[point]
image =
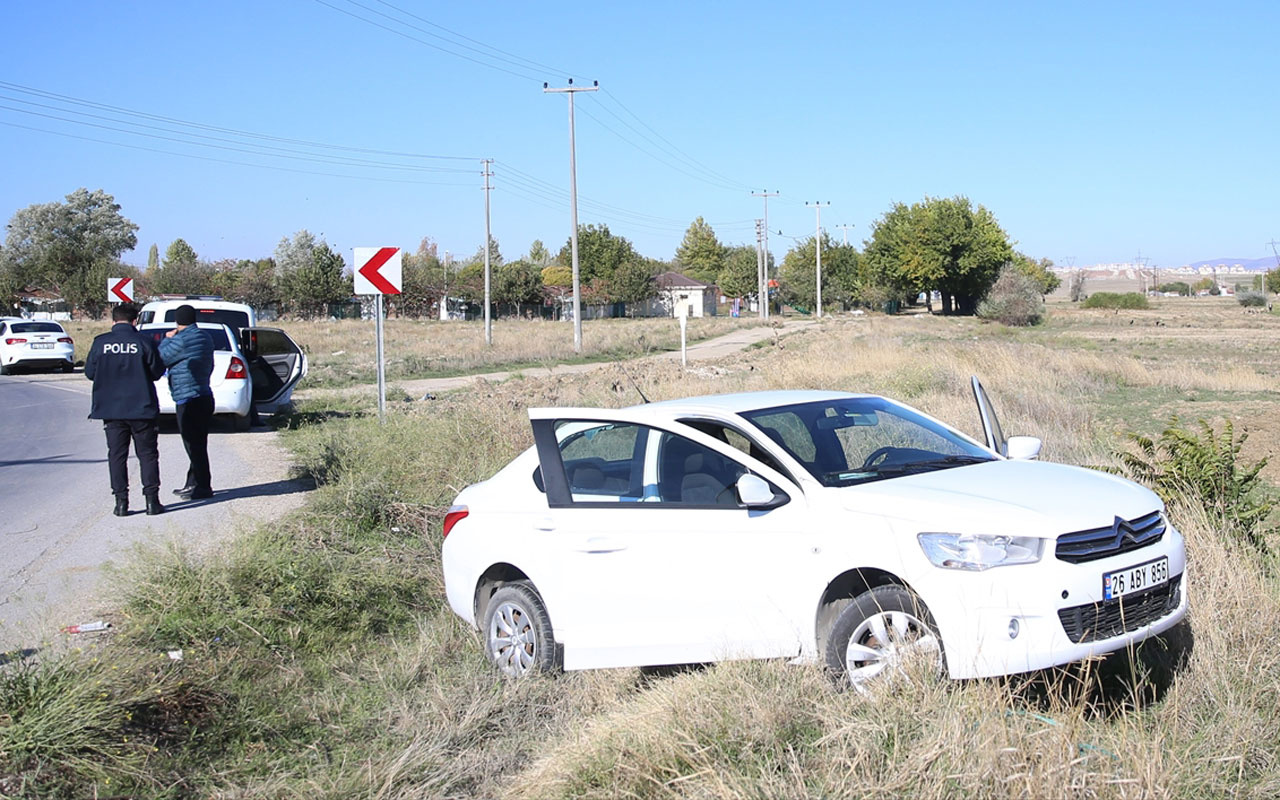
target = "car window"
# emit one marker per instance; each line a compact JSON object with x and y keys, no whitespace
{"x":737,"y":439}
{"x":693,"y":475}
{"x":35,"y":327}
{"x":218,"y":335}
{"x":789,"y":430}
{"x":603,"y":461}
{"x":235,"y":319}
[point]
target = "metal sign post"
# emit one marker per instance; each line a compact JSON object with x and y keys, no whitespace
{"x":378,"y":271}
{"x":684,"y":327}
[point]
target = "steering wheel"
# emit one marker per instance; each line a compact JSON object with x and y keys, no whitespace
{"x":879,"y":455}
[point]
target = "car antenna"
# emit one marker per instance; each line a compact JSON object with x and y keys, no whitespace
{"x":633,"y":382}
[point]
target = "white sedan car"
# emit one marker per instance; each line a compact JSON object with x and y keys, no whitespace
{"x":31,"y":343}
{"x":842,"y":528}
{"x":232,"y":392}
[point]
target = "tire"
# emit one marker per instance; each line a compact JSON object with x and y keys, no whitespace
{"x":518,"y":638}
{"x":878,"y":634}
{"x":68,"y":367}
{"x":5,"y":369}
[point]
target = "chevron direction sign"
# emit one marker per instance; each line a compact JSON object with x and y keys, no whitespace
{"x":378,"y":270}
{"x":119,"y":290}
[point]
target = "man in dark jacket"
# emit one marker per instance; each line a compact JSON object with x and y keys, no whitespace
{"x":188,"y":353}
{"x":123,"y":365}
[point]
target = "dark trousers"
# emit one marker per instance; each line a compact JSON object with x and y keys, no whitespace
{"x":143,"y":433}
{"x":194,"y":417}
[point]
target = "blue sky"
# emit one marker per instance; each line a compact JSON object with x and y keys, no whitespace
{"x":1093,"y":131}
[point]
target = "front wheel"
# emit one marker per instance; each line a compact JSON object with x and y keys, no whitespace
{"x":884,"y":632}
{"x":518,"y":638}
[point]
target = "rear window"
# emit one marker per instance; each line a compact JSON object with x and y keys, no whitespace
{"x":218,"y":335}
{"x":35,"y":327}
{"x":235,"y":319}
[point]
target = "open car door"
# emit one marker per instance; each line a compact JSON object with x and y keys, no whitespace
{"x":276,"y":364}
{"x":990,"y":425}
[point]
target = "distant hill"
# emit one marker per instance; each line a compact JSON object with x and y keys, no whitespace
{"x":1251,"y":264}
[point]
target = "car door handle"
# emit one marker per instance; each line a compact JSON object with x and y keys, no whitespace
{"x":602,"y":544}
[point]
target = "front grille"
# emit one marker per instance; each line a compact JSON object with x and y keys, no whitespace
{"x":1119,"y":537}
{"x":1093,"y":621}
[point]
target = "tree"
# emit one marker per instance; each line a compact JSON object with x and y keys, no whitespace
{"x":739,"y":277}
{"x":153,"y":257}
{"x":700,"y":255}
{"x":539,"y":255}
{"x":631,"y":282}
{"x":600,"y":253}
{"x":312,"y":286}
{"x":1040,"y":271}
{"x":1177,"y":287}
{"x":556,"y":275}
{"x":517,"y":282}
{"x":495,"y":255}
{"x":54,"y":246}
{"x":181,"y":272}
{"x":423,"y":281}
{"x":294,"y":253}
{"x":1075,"y":289}
{"x":1016,"y":298}
{"x":939,"y":244}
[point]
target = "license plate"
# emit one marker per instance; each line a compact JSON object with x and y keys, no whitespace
{"x":1135,"y":579}
{"x":42,"y":345}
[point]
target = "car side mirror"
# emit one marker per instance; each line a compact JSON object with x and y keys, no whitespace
{"x":755,"y":492}
{"x":1023,"y":448}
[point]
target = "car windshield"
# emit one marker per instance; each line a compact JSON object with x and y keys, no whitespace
{"x":858,"y":440}
{"x":35,"y":327}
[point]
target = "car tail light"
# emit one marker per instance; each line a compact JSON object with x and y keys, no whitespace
{"x":453,"y":517}
{"x":14,"y":341}
{"x":236,"y":369}
{"x":66,"y":340}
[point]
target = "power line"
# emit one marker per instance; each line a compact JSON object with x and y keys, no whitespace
{"x":216,"y":128}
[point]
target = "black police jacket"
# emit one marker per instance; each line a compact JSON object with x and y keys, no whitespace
{"x":123,"y":365}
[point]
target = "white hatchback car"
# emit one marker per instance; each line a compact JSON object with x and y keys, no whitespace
{"x":263,"y":377}
{"x":35,"y":343}
{"x":828,"y":526}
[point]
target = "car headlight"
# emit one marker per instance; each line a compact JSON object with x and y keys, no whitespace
{"x":979,"y":551}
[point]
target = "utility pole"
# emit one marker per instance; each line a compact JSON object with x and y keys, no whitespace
{"x":488,"y":320}
{"x":845,"y":229}
{"x":817,"y":249}
{"x":1276,"y":253}
{"x":762,"y":283}
{"x":571,"y":90}
{"x":766,"y":194}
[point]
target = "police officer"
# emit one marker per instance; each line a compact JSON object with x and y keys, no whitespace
{"x":188,"y":353}
{"x":123,"y":364}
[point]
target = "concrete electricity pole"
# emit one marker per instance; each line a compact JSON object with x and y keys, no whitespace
{"x":488,"y":321}
{"x":571,"y":90}
{"x":845,"y":230}
{"x":444,"y":295}
{"x":817,"y":248}
{"x":764,"y":300}
{"x":762,"y":282}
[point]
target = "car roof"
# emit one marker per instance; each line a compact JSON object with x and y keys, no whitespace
{"x":195,"y":302}
{"x":739,"y":402}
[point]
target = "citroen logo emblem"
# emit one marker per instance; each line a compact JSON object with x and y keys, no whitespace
{"x":1120,"y":529}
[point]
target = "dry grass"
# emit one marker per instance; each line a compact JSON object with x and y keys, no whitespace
{"x":416,"y":713}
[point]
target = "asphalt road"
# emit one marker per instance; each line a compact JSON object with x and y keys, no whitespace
{"x":57,"y":531}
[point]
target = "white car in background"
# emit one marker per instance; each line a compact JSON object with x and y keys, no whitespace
{"x":35,"y":343}
{"x":846,"y":529}
{"x":209,"y":308}
{"x":256,"y":369}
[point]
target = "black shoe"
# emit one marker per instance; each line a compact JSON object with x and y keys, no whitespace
{"x":184,"y":492}
{"x":153,"y":505}
{"x":122,"y":507}
{"x":199,"y":494}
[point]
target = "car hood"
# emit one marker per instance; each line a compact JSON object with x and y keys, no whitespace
{"x":1015,"y":498}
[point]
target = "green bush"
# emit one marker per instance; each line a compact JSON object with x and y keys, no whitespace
{"x":1128,"y":300}
{"x":1014,"y":299}
{"x":1251,"y":299}
{"x":1202,"y":468}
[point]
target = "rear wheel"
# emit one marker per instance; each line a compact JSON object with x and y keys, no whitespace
{"x":6,"y":369}
{"x":68,"y":367}
{"x":517,"y":631}
{"x":884,"y":632}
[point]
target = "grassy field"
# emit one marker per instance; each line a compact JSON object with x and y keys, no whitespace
{"x":343,"y":352}
{"x":320,"y":660}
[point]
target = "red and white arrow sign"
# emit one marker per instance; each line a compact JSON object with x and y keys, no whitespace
{"x":378,"y":270}
{"x":119,"y":290}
